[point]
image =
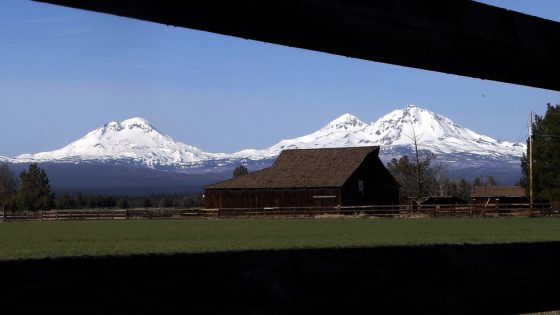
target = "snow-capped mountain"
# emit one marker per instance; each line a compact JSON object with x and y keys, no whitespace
{"x":132,"y":141}
{"x":396,"y":131}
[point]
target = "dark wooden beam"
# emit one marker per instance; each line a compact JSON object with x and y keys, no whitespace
{"x":452,"y":36}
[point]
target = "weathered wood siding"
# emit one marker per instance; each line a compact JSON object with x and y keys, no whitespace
{"x":260,"y":198}
{"x":499,"y":200}
{"x":378,"y":186}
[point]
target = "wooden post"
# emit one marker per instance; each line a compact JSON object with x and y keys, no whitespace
{"x":531,"y":162}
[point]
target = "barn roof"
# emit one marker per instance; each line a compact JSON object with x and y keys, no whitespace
{"x":498,"y":191}
{"x":302,"y":168}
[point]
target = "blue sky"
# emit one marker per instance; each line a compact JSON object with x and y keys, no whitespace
{"x":64,"y":72}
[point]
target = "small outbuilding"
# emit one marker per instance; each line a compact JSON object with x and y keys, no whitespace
{"x":498,"y":195}
{"x":437,"y":201}
{"x":310,"y":178}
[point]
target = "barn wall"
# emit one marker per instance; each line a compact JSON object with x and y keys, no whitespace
{"x":499,"y":200}
{"x":379,"y":187}
{"x":260,"y":198}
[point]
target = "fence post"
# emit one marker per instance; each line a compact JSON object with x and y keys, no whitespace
{"x":4,"y":215}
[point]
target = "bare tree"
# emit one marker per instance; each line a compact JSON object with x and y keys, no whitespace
{"x":422,"y":170}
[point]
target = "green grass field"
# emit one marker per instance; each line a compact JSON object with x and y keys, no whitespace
{"x":76,"y":238}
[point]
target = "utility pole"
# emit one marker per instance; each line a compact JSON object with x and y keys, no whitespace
{"x":531,"y":162}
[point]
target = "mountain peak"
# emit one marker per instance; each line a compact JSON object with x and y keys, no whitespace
{"x":136,"y":140}
{"x":132,"y":139}
{"x":415,"y":110}
{"x":411,"y":115}
{"x":135,"y":121}
{"x":344,"y":122}
{"x":397,"y":130}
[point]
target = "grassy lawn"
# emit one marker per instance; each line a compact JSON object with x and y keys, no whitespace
{"x":75,"y":238}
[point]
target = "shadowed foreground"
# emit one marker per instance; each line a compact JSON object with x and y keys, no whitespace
{"x":447,"y":279}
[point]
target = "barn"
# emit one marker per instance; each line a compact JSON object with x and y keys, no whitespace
{"x":310,"y":178}
{"x":498,"y":195}
{"x":449,"y":201}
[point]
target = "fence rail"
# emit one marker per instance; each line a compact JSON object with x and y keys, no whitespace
{"x":388,"y":211}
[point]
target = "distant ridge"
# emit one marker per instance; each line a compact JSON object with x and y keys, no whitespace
{"x":136,"y":143}
{"x":395,"y":130}
{"x":133,"y":139}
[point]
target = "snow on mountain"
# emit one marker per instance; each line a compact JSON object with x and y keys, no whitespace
{"x":133,"y":140}
{"x":337,"y":133}
{"x":436,"y":133}
{"x":395,"y":130}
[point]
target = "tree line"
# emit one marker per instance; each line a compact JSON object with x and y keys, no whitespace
{"x":546,"y":157}
{"x":80,"y":201}
{"x":33,"y":192}
{"x":420,"y":177}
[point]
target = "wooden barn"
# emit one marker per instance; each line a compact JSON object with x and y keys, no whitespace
{"x":498,"y":195}
{"x":443,"y":201}
{"x":310,"y":178}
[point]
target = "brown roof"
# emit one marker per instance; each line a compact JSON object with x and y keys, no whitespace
{"x":304,"y":168}
{"x":498,"y":191}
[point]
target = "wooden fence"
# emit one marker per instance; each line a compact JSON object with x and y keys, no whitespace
{"x":388,"y":211}
{"x":107,"y":214}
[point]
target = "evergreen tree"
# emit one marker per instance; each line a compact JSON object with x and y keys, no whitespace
{"x":35,"y":193}
{"x":122,"y":203}
{"x":109,"y":202}
{"x":165,"y":201}
{"x":456,"y":188}
{"x":464,"y":189}
{"x":8,"y":187}
{"x":478,"y":182}
{"x":401,"y":170}
{"x":65,"y":202}
{"x":146,"y":203}
{"x":546,"y":157}
{"x":90,"y":202}
{"x":240,"y":170}
{"x":80,"y":201}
